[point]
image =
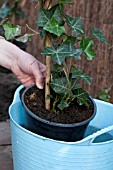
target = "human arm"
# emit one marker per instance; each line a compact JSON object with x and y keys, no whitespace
{"x":26,"y":67}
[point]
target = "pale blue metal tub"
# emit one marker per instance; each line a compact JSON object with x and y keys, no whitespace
{"x":34,"y":152}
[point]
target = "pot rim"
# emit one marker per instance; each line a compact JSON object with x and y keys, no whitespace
{"x":54,"y":123}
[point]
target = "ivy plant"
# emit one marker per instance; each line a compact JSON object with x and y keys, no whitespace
{"x":14,"y":32}
{"x":65,"y":42}
{"x":8,"y":10}
{"x":104,"y":95}
{"x":68,"y":43}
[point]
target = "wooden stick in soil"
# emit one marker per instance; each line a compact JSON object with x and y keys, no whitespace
{"x":48,"y":69}
{"x":48,"y":77}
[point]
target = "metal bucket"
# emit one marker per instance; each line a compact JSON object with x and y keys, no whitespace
{"x":34,"y":152}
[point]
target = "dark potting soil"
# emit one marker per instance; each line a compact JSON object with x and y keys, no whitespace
{"x":34,"y":100}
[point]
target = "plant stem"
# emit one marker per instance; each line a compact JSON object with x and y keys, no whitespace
{"x":32,"y":29}
{"x":54,"y":104}
{"x":70,"y":66}
{"x":65,"y":71}
{"x":67,"y":77}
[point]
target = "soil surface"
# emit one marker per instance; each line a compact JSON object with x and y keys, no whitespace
{"x":34,"y":99}
{"x":8,"y":85}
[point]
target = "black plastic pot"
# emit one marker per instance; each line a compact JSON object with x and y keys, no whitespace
{"x":63,"y":132}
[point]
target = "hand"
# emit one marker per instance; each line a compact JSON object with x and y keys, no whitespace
{"x":26,"y":67}
{"x":29,"y":70}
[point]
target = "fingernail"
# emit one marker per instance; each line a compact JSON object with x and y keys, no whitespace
{"x":39,"y":86}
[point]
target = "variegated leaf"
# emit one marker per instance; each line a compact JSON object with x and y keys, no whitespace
{"x":78,"y":74}
{"x":59,"y":85}
{"x":75,"y":24}
{"x":11,"y":31}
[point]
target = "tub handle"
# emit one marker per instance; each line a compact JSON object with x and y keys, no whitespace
{"x":90,"y":139}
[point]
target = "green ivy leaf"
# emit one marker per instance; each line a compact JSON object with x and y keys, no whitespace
{"x":104,"y":95}
{"x":42,"y":32}
{"x":59,"y":85}
{"x":74,"y":52}
{"x":11,"y":31}
{"x":70,"y":39}
{"x":57,"y":68}
{"x":43,"y":18}
{"x":75,"y":24}
{"x":78,"y":74}
{"x":58,"y":55}
{"x":63,"y":105}
{"x":86,"y":45}
{"x":63,"y":51}
{"x":75,"y":85}
{"x":64,"y":37}
{"x":50,"y":96}
{"x":65,"y":2}
{"x":5,"y":11}
{"x":57,"y":71}
{"x":99,"y":35}
{"x":46,"y":15}
{"x":53,"y":27}
{"x":25,"y":38}
{"x":57,"y":11}
{"x":82,"y":97}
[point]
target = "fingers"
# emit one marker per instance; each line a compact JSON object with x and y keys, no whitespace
{"x":28,"y":82}
{"x":32,"y":68}
{"x":42,"y":67}
{"x":38,"y":71}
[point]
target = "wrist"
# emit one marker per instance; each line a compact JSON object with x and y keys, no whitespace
{"x":8,"y":54}
{"x":5,"y":59}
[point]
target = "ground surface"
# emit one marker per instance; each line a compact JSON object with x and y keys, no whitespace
{"x":6,"y":162}
{"x":8,"y":84}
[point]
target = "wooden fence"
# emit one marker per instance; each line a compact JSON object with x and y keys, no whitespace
{"x":98,"y":13}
